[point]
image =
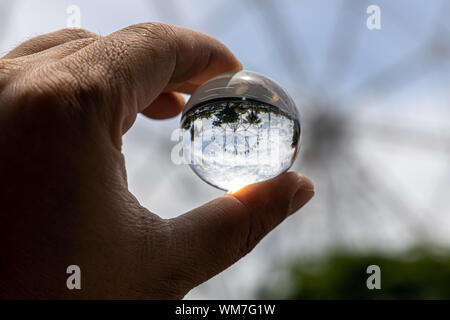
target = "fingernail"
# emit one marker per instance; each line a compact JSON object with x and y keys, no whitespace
{"x":300,"y":198}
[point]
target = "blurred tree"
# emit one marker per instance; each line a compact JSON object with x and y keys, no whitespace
{"x":419,"y":274}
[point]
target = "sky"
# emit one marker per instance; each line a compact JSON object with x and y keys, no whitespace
{"x":382,"y":186}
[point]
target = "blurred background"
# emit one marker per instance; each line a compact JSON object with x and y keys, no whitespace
{"x":375,"y":108}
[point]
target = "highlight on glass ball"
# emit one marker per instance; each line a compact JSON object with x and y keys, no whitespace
{"x":240,"y":128}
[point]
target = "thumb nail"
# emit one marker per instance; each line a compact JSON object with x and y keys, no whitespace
{"x":300,"y":198}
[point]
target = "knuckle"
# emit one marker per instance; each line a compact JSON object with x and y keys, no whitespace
{"x":165,"y":31}
{"x":257,"y":229}
{"x":6,"y":71}
{"x":74,"y":45}
{"x":51,"y":98}
{"x":114,"y":66}
{"x":76,"y":87}
{"x":117,"y":51}
{"x":77,"y":33}
{"x":45,"y":41}
{"x":154,"y":28}
{"x":253,"y":228}
{"x":163,"y":34}
{"x":169,"y":271}
{"x":43,"y":87}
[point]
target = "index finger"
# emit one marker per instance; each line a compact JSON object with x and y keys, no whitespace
{"x":150,"y":58}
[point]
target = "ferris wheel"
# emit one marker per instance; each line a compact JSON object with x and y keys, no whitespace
{"x":357,"y":196}
{"x":350,"y":186}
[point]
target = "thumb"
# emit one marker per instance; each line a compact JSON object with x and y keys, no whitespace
{"x":210,"y":238}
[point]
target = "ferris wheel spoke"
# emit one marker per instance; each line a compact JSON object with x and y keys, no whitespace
{"x":279,"y":33}
{"x":168,"y":9}
{"x":341,"y":48}
{"x":5,"y":10}
{"x":402,"y":211}
{"x":420,"y":62}
{"x":364,"y":195}
{"x":422,"y":139}
{"x":413,"y":29}
{"x":399,"y":74}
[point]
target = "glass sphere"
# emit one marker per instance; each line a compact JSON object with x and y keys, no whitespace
{"x":240,"y":128}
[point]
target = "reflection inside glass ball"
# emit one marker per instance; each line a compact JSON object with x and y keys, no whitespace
{"x":231,"y":137}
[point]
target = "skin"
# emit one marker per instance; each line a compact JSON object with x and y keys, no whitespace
{"x":66,"y":99}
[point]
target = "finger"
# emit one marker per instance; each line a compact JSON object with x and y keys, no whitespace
{"x":166,"y":105}
{"x":212,"y":237}
{"x":55,"y":53}
{"x":185,"y":87}
{"x":49,"y":40}
{"x":150,"y":58}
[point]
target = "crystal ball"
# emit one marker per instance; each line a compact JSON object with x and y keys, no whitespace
{"x":240,"y":128}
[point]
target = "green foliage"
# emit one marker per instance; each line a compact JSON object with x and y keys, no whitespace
{"x":416,"y":275}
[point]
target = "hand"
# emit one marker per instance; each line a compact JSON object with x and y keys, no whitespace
{"x":66,"y":99}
